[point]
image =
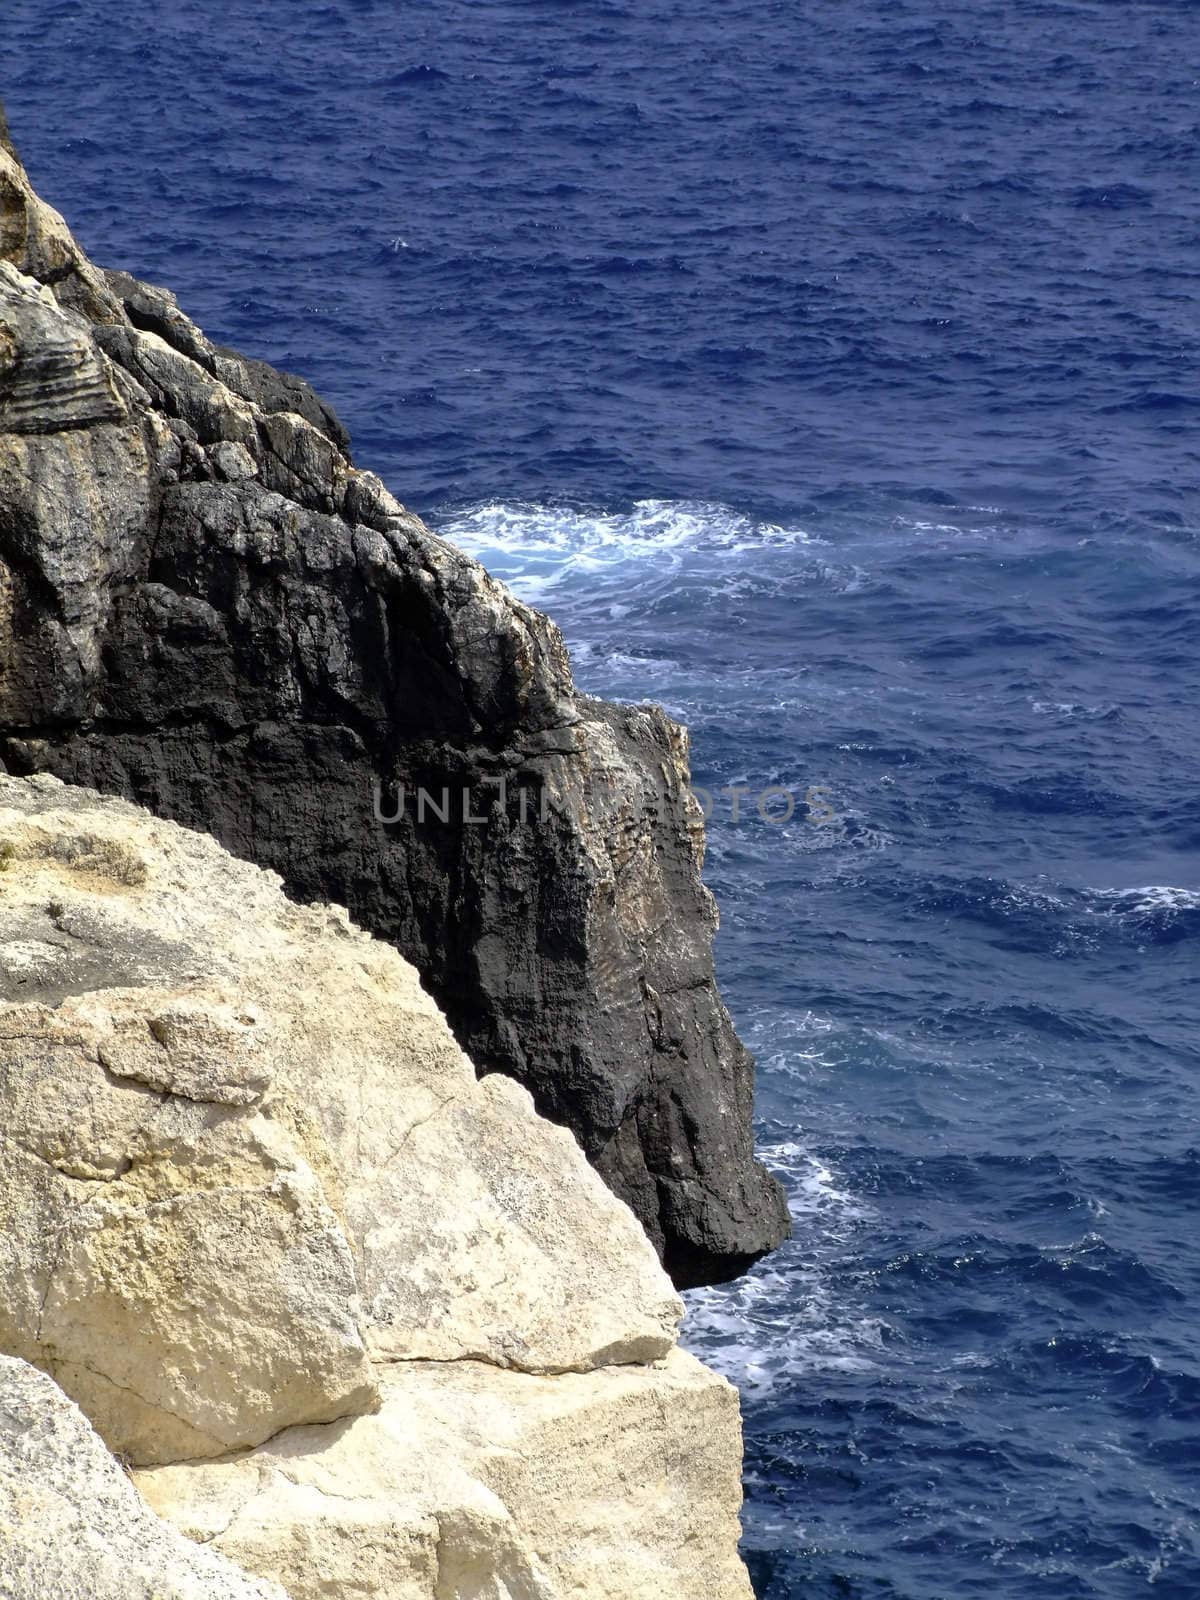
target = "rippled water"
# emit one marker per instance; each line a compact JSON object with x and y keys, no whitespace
{"x":830,"y":374}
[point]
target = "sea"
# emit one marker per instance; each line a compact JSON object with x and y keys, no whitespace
{"x":830,"y":373}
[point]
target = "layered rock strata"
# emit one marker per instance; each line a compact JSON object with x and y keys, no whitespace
{"x":206,"y":608}
{"x":366,"y":1323}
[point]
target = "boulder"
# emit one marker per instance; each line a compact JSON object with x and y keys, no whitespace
{"x":72,"y":1525}
{"x":243,"y":1156}
{"x":205,"y":607}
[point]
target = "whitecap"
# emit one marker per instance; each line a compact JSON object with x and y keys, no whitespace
{"x":1148,"y":899}
{"x":1069,"y":708}
{"x":648,"y":526}
{"x":780,"y":1322}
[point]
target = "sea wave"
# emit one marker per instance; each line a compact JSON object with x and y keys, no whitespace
{"x":647,"y":528}
{"x":784,"y":1320}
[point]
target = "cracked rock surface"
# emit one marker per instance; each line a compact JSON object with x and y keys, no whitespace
{"x":366,"y":1324}
{"x":72,"y":1525}
{"x":473,"y":1483}
{"x":206,"y":608}
{"x":242,"y":1156}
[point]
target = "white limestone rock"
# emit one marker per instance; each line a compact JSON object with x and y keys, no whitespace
{"x":73,"y":1527}
{"x":621,"y":1484}
{"x":242,"y":1155}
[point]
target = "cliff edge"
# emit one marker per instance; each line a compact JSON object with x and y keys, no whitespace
{"x":361,"y":1323}
{"x":206,"y":608}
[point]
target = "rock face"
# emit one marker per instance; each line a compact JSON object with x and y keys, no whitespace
{"x":73,"y":1527}
{"x":204,"y":607}
{"x":252,"y":1194}
{"x":243,"y":1154}
{"x":470,"y":1482}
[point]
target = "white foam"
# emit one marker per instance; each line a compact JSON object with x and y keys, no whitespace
{"x":933,"y":527}
{"x":781,"y":1322}
{"x":1151,"y":897}
{"x":596,"y":536}
{"x":1028,"y":897}
{"x":1069,"y":708}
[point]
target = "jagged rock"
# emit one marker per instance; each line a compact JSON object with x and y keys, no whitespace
{"x":157,"y":311}
{"x":472,"y":1482}
{"x":36,"y":240}
{"x":73,"y":1527}
{"x":51,"y":377}
{"x":205,"y":607}
{"x":275,"y":391}
{"x":241,"y":1153}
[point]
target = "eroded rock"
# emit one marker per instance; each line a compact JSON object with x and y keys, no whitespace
{"x":243,"y":1156}
{"x":73,"y":1527}
{"x":472,"y":1482}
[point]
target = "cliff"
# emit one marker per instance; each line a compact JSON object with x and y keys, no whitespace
{"x":205,"y":607}
{"x":361,"y":1323}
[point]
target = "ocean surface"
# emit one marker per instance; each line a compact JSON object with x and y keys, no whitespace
{"x":830,"y":372}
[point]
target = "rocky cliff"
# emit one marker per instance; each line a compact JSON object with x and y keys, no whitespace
{"x":363,"y":1323}
{"x":206,"y":608}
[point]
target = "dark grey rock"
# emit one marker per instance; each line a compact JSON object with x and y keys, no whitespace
{"x":280,"y":391}
{"x":206,"y":608}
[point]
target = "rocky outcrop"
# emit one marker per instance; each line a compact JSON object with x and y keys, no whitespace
{"x":253,"y":1198}
{"x":243,"y":1154}
{"x":206,"y":608}
{"x":73,"y":1527}
{"x":470,"y":1482}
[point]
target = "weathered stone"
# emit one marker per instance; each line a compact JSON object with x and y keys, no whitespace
{"x":615,"y":1485}
{"x":156,"y":310}
{"x":182,"y":1276}
{"x":242,"y":1152}
{"x":36,"y":240}
{"x":51,"y":376}
{"x":279,"y":391}
{"x":232,"y":461}
{"x":72,"y":1526}
{"x":206,"y":608}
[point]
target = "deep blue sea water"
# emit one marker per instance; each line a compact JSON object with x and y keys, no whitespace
{"x":830,"y":373}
